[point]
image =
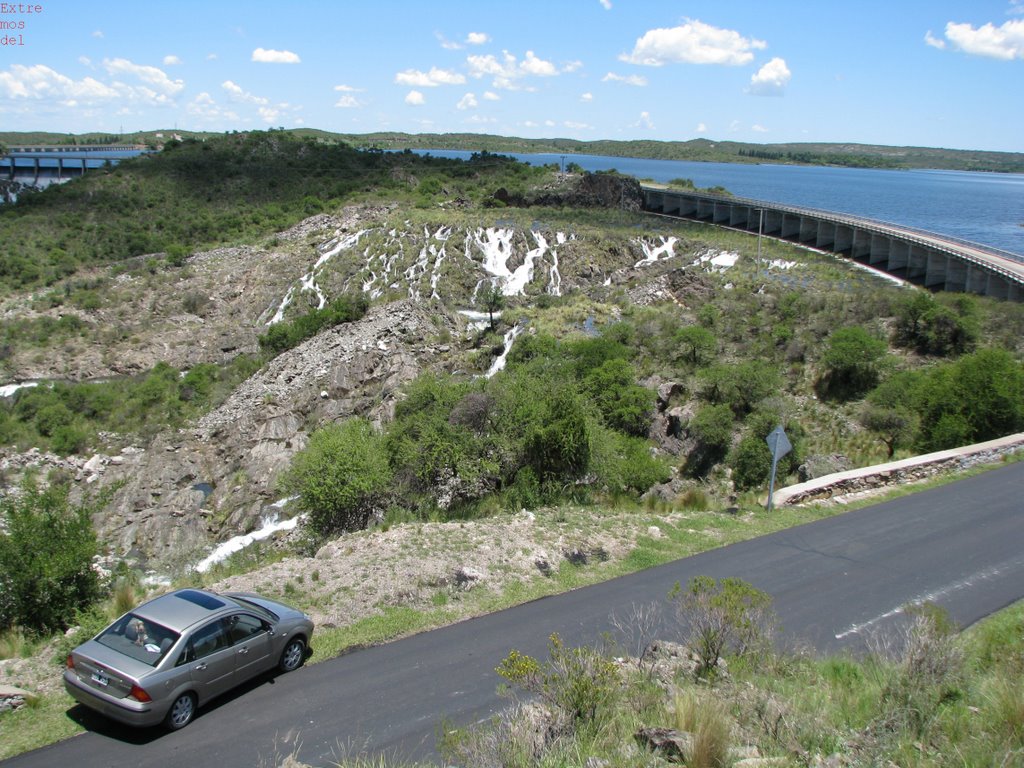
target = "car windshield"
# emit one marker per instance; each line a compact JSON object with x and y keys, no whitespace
{"x":141,"y":639}
{"x":264,"y":612}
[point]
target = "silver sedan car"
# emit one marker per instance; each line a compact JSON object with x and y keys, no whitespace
{"x":163,"y":660}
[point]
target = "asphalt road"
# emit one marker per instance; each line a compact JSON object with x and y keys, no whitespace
{"x":834,"y":582}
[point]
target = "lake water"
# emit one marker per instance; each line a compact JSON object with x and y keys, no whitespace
{"x":986,"y":208}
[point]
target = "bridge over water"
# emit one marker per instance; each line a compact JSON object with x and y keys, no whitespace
{"x":30,"y":163}
{"x":925,"y":258}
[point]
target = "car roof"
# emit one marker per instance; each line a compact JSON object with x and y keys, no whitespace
{"x":182,"y":608}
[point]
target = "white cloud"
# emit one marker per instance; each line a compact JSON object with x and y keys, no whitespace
{"x":477,"y":38}
{"x":1016,"y":7}
{"x":530,"y":124}
{"x":693,"y":43}
{"x":644,"y":122}
{"x":586,"y":96}
{"x":41,"y":82}
{"x":701,"y":128}
{"x":572,"y":66}
{"x":154,"y":78}
{"x":934,"y":41}
{"x":270,"y":56}
{"x":85,"y":61}
{"x":348,"y":101}
{"x":211,"y":57}
{"x":758,"y":128}
{"x":771,"y":79}
{"x":237,"y":93}
{"x":606,"y":4}
{"x":491,"y":96}
{"x":415,"y":98}
{"x":205,"y":110}
{"x":534,"y":66}
{"x":467,"y":102}
{"x":1005,"y":42}
{"x":171,"y":60}
{"x":98,"y":34}
{"x":549,"y":123}
{"x":577,"y":126}
{"x":734,"y":126}
{"x":508,"y":70}
{"x":431,"y":79}
{"x":347,"y":89}
{"x":480,"y":120}
{"x":637,"y":80}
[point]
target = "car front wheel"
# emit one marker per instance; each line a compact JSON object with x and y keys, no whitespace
{"x":181,"y":712}
{"x":293,"y":655}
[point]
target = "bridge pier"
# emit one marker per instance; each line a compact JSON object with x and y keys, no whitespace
{"x":790,"y":226}
{"x":977,"y":279}
{"x":808,"y":230}
{"x":721,"y":213}
{"x":899,"y":257}
{"x":843,"y":240}
{"x":917,"y":264}
{"x":936,"y":270}
{"x":773,"y":222}
{"x":705,"y":210}
{"x":880,"y":247}
{"x":739,"y":216}
{"x":861,"y":246}
{"x":826,"y":237}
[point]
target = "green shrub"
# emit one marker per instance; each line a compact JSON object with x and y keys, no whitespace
{"x":341,"y":477}
{"x":46,"y":554}
{"x":727,"y":615}
{"x":851,"y":364}
{"x":578,"y":683}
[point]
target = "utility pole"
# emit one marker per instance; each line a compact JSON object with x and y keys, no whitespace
{"x":760,"y":232}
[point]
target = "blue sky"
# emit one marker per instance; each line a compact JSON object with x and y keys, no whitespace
{"x":936,"y":73}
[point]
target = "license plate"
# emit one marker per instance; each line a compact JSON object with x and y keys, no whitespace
{"x":100,"y":679}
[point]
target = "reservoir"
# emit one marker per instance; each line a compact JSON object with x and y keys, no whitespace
{"x":986,"y":208}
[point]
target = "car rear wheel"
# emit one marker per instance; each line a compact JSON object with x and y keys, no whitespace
{"x":181,"y":712}
{"x":293,"y":655}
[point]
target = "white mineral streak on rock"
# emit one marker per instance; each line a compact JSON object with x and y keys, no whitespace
{"x":477,"y":320}
{"x":555,"y":283}
{"x":500,"y":360}
{"x":9,"y":389}
{"x":271,"y":525}
{"x":652,"y":251}
{"x":442,"y":234}
{"x":719,"y":260}
{"x":496,"y":247}
{"x":308,"y":281}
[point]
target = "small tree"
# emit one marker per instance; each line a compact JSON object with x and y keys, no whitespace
{"x":493,"y":301}
{"x":46,"y":556}
{"x":696,"y":345}
{"x":340,"y":476}
{"x":728,"y":615}
{"x":896,"y":427}
{"x":851,"y":363}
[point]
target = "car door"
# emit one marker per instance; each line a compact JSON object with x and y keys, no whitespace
{"x":211,"y":660}
{"x":250,"y":640}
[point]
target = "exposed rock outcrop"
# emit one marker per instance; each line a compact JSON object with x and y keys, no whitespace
{"x":187,"y":488}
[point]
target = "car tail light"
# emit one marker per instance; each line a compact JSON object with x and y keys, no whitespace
{"x":138,"y":694}
{"x":69,"y":662}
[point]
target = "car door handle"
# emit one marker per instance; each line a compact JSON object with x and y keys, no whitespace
{"x":200,"y":667}
{"x":243,"y":650}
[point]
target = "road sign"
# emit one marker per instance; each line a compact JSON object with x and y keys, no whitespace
{"x":779,"y":445}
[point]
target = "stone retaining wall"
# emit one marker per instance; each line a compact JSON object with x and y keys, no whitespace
{"x":899,"y":472}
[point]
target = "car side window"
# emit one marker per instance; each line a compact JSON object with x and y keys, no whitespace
{"x":242,"y":627}
{"x":207,"y":640}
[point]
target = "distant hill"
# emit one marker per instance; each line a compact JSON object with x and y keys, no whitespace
{"x":703,"y":150}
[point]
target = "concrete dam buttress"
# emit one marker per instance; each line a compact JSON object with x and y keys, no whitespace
{"x":934,"y":261}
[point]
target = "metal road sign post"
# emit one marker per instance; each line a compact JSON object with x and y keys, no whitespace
{"x":779,"y":445}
